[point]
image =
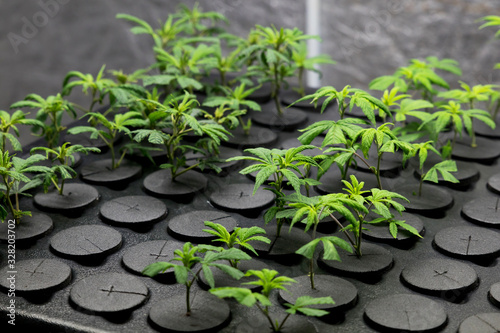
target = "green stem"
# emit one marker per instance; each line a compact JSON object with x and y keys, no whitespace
{"x":9,"y":202}
{"x":185,"y":170}
{"x":368,"y":165}
{"x":311,"y":262}
{"x":112,"y":150}
{"x":377,"y":172}
{"x":188,"y":302}
{"x":421,"y":183}
{"x":301,"y":82}
{"x":246,"y":128}
{"x":283,"y":323}
{"x":276,"y":91}
{"x":473,"y":135}
{"x":188,"y":292}
{"x":59,"y":189}
{"x":265,"y":311}
{"x":121,"y":158}
{"x":349,"y":238}
{"x":358,"y":238}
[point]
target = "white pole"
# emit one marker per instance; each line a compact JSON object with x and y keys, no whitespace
{"x":313,"y":14}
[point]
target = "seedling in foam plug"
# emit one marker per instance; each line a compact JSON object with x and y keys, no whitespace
{"x":240,"y":237}
{"x":52,"y":109}
{"x":280,"y":165}
{"x":190,"y":256}
{"x":180,"y":114}
{"x":310,"y":211}
{"x":13,"y":171}
{"x":269,"y":281}
{"x":57,"y":174}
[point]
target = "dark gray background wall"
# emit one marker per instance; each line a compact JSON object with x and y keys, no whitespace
{"x":41,"y":40}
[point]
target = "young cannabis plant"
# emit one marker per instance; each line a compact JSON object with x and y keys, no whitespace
{"x":224,"y":63}
{"x":470,"y":95}
{"x":454,"y":114}
{"x":231,"y":120}
{"x":57,"y":174}
{"x":184,"y":65}
{"x":98,"y":86}
{"x":120,"y":124}
{"x":189,"y":257}
{"x":338,"y":134}
{"x":419,"y":77}
{"x":240,"y":237}
{"x":348,"y":98}
{"x":310,"y":211}
{"x":52,"y":108}
{"x":273,"y":52}
{"x":280,"y":165}
{"x":269,"y":281}
{"x":13,"y":172}
{"x":236,"y":100}
{"x":193,"y":21}
{"x":303,"y":63}
{"x":181,"y":114}
{"x":8,"y":122}
{"x":444,"y":168}
{"x":162,"y":37}
{"x":385,"y":142}
{"x":375,"y":201}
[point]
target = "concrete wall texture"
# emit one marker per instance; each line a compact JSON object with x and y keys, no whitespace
{"x":41,"y":40}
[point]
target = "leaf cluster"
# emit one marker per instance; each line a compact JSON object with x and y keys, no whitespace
{"x":14,"y":173}
{"x":240,"y":237}
{"x":268,"y":281}
{"x":51,"y":108}
{"x":189,"y":256}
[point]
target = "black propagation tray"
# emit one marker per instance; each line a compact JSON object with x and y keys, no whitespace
{"x":55,"y":312}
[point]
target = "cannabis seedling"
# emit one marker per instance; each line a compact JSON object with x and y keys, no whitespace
{"x":189,"y":257}
{"x":236,"y":101}
{"x":98,"y":86}
{"x":468,"y":94}
{"x":112,"y":129}
{"x":8,"y":122}
{"x":310,"y":211}
{"x":338,"y":133}
{"x":182,"y":120}
{"x":280,"y":164}
{"x":459,"y":118}
{"x":13,"y":171}
{"x":346,"y":99}
{"x":224,"y":62}
{"x":184,"y":65}
{"x":269,"y":281}
{"x":385,"y":142}
{"x":375,"y":201}
{"x":303,"y":63}
{"x":419,"y":77}
{"x":162,"y":37}
{"x":52,"y":108}
{"x":57,"y":174}
{"x":273,"y":51}
{"x":444,"y":167}
{"x":193,"y":21}
{"x":240,"y":237}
